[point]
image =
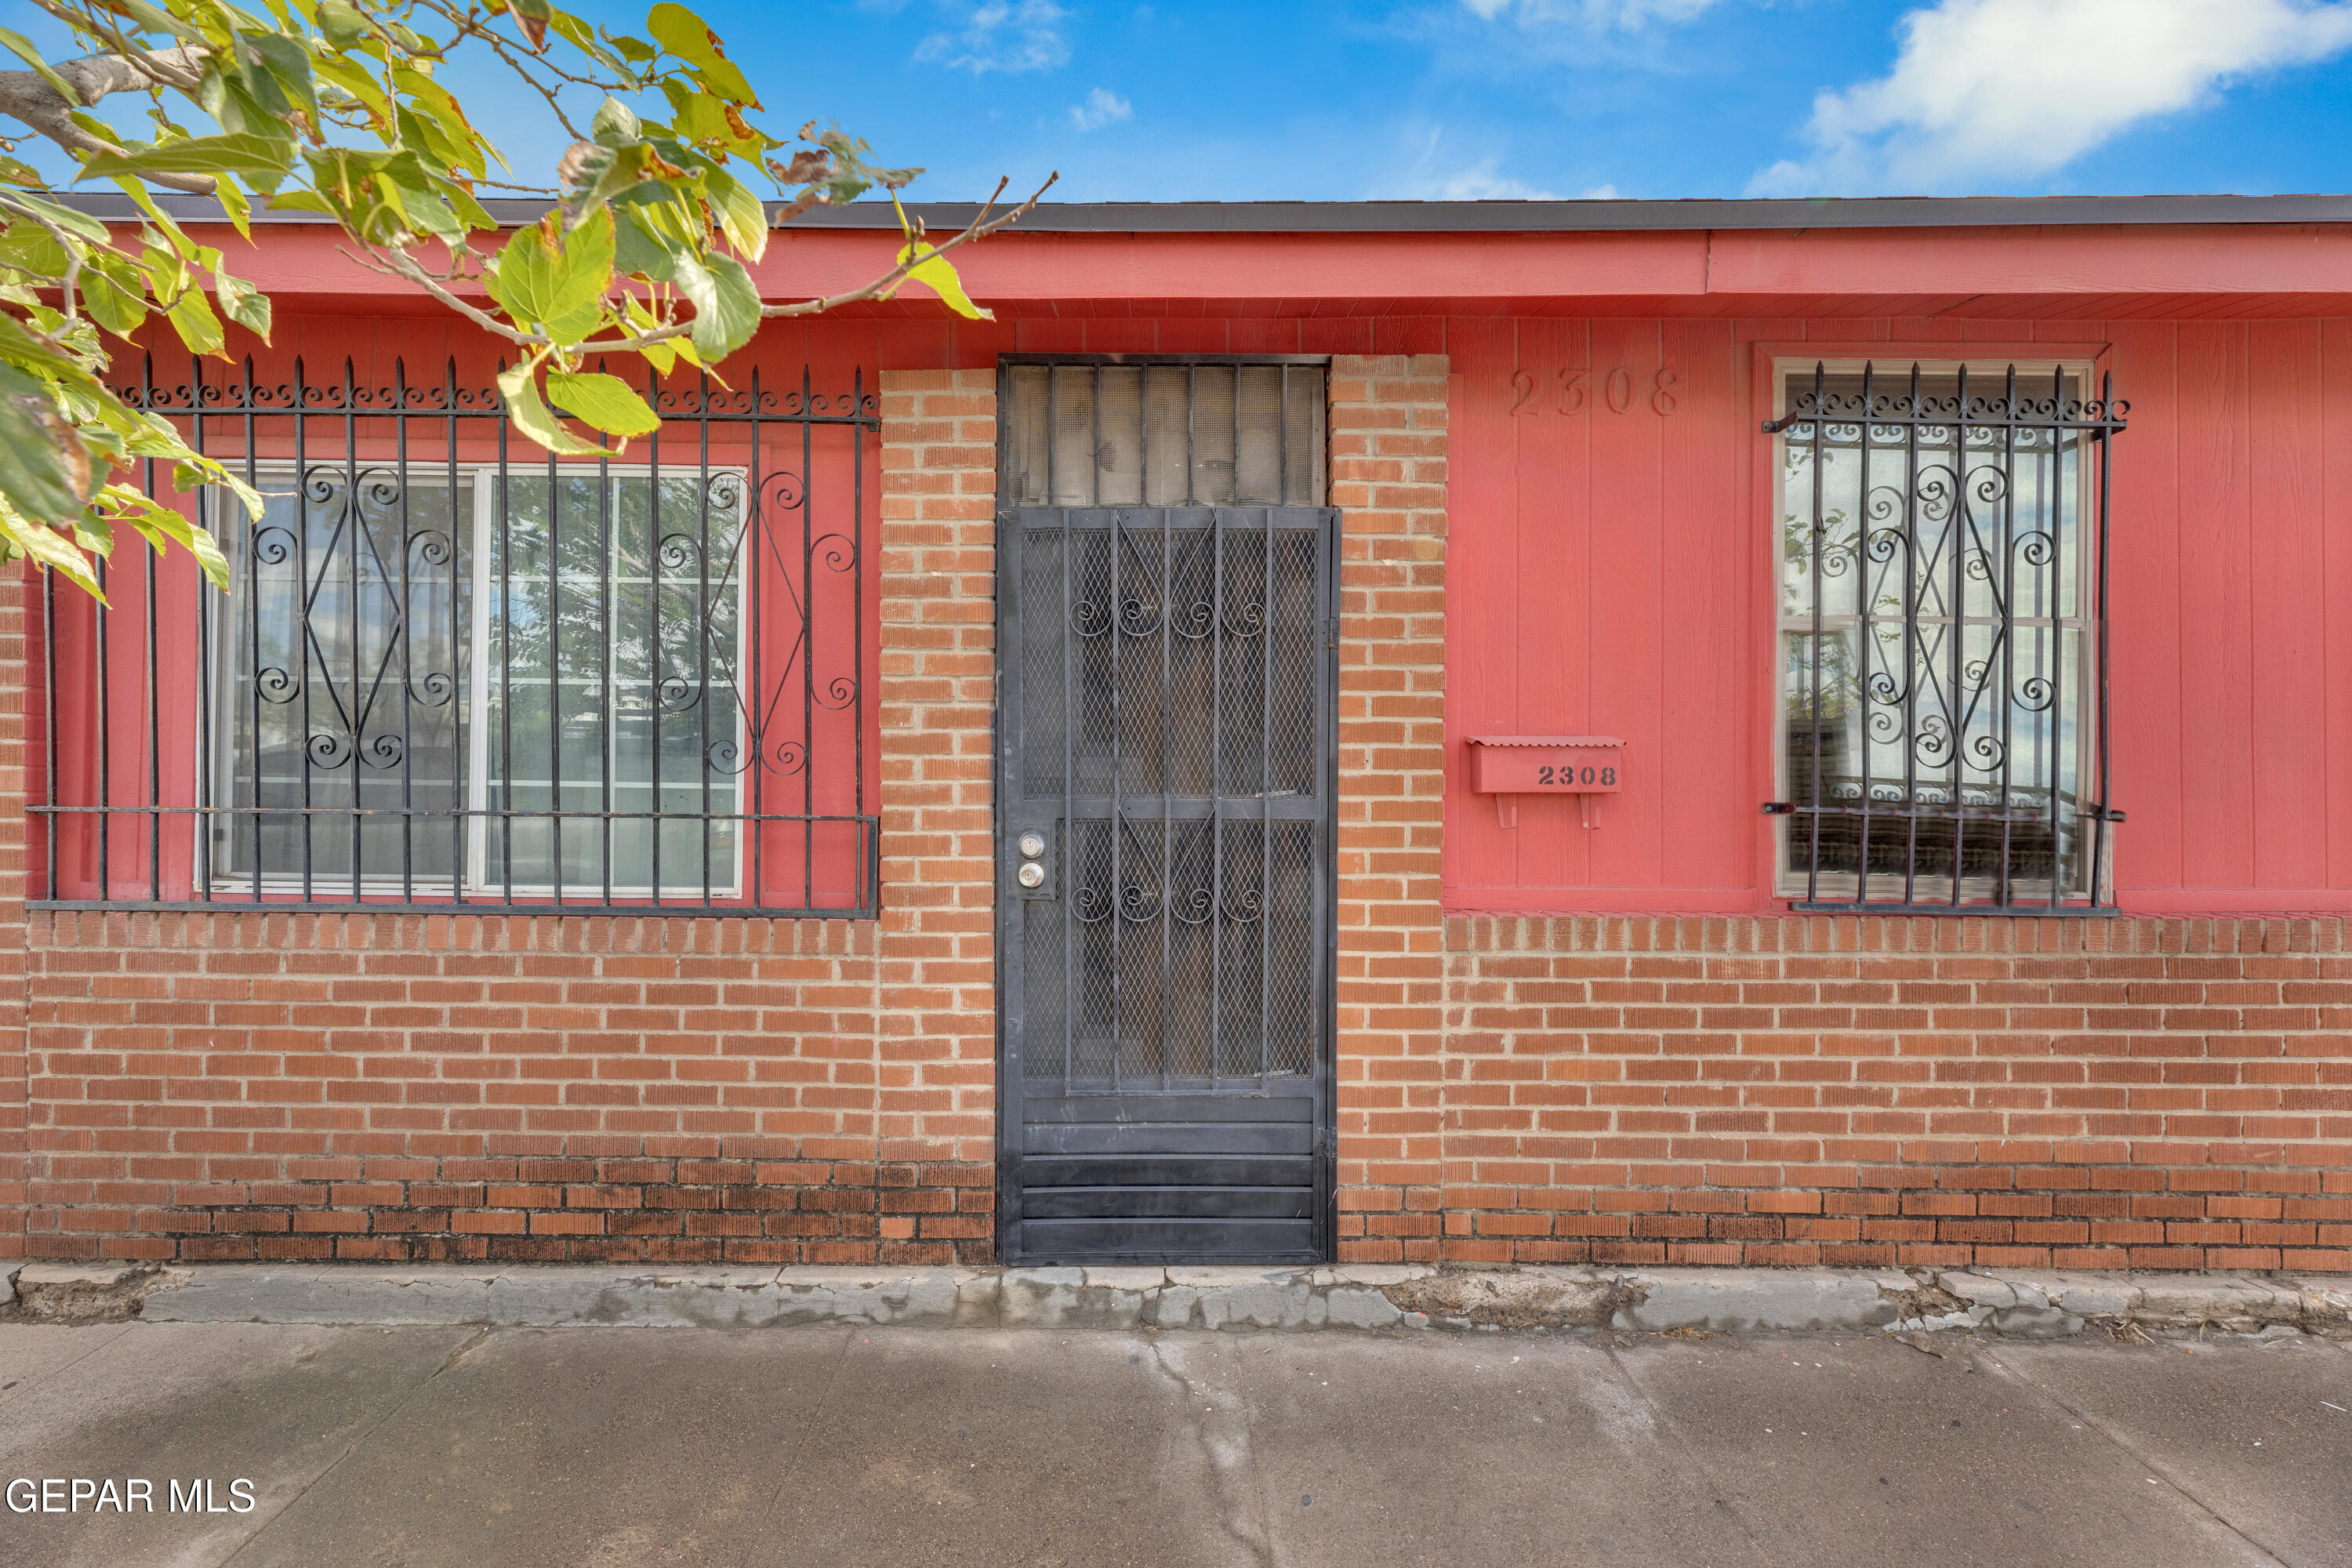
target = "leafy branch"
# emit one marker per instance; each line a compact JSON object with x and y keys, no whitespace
{"x":660,"y":205}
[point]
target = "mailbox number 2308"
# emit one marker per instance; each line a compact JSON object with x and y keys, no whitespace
{"x":1571,"y":775}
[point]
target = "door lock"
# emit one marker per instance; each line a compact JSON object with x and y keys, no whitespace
{"x":1030,"y":875}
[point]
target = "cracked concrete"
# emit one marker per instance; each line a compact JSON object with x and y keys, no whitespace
{"x":2018,"y":1303}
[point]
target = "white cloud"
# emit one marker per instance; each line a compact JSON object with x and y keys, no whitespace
{"x":1596,"y":14}
{"x":1102,"y":106}
{"x":1478,"y":182}
{"x":2003,"y":88}
{"x":1601,"y":194}
{"x":1426,"y":176}
{"x":1002,"y":36}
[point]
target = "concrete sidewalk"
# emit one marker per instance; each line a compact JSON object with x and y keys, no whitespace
{"x":857,"y":1445}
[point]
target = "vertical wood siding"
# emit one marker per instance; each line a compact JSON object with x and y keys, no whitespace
{"x":1612,"y":577}
{"x":1610,"y":574}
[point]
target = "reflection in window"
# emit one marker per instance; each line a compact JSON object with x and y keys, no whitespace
{"x":1934,"y":596}
{"x":538,"y":674}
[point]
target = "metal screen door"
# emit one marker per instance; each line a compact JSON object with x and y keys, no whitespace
{"x":1165,"y":766}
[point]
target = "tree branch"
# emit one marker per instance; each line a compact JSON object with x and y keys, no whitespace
{"x":400,"y":264}
{"x":27,"y":98}
{"x":980,"y":227}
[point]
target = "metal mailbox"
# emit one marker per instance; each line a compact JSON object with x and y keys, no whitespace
{"x":1508,"y":766}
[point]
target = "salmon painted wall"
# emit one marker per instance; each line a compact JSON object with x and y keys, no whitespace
{"x":1610,"y":572}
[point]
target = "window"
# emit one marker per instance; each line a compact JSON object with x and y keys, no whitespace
{"x":550,"y":610}
{"x":448,"y":675}
{"x":1942,"y":729}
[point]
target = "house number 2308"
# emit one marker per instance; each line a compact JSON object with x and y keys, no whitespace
{"x":1568,"y":391}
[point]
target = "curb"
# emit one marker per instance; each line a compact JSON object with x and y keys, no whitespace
{"x":2038,"y":1303}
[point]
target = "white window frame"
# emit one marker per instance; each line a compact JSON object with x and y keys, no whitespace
{"x":478,"y":886}
{"x":2082,"y":696}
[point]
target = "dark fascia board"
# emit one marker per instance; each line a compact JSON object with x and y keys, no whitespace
{"x":1463,"y":218}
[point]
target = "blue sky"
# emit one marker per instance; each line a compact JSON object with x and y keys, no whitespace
{"x":1205,"y":99}
{"x":1343,"y":99}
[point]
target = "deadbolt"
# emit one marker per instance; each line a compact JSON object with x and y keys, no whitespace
{"x":1033,"y":845}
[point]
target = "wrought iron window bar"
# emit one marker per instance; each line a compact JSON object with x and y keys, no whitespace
{"x":1963,"y":551}
{"x":735,"y":654}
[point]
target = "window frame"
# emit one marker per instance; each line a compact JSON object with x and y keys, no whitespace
{"x":477,"y":740}
{"x":123,"y":789}
{"x":477,"y":884}
{"x":1943,"y":893}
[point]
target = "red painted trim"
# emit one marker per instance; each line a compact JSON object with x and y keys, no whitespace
{"x":1807,"y":272}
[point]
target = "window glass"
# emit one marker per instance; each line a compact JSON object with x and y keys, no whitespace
{"x":1933,"y":597}
{"x":336,"y":709}
{"x":540,"y":672}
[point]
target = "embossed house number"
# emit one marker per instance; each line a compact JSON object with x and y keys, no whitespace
{"x":1567,"y":391}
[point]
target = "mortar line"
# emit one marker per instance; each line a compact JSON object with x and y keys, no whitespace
{"x":480,"y":1336}
{"x":2163,"y":1472}
{"x":1691,"y":1462}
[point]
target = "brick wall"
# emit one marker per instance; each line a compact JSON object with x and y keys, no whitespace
{"x":1388,"y":478}
{"x":936,"y":1025}
{"x":452,"y":1087}
{"x":13,"y":1077}
{"x":286,"y":1086}
{"x":2153,"y":1093}
{"x":2094,"y":1094}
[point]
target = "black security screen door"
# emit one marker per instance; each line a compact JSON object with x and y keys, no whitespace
{"x":1167,"y":610}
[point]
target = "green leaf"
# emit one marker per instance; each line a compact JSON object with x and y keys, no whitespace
{"x":44,"y":452}
{"x":262,"y":160}
{"x":615,"y":123}
{"x":243,"y":303}
{"x":741,"y":217}
{"x":557,"y":282}
{"x":21,"y":348}
{"x":342,"y":22}
{"x":582,"y":37}
{"x":532,"y":418}
{"x":112,"y":303}
{"x":22,"y":47}
{"x":663,"y":355}
{"x":938,"y":274}
{"x":604,"y":402}
{"x":641,"y":250}
{"x":687,"y":36}
{"x":49,"y":548}
{"x":533,"y":15}
{"x":155,"y":18}
{"x":191,"y":317}
{"x":237,"y":205}
{"x":289,"y":62}
{"x":161,"y":526}
{"x":726,"y":303}
{"x":64,"y":217}
{"x":265,"y":103}
{"x":605,"y":173}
